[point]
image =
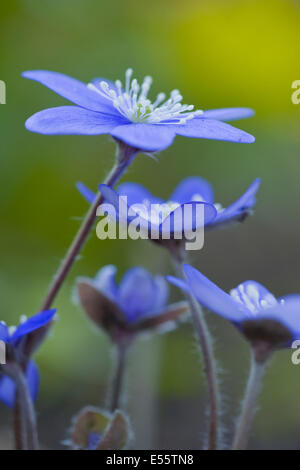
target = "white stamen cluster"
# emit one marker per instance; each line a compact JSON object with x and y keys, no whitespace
{"x":250,"y":297}
{"x":134,"y":104}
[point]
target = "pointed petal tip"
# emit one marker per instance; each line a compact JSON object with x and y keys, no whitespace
{"x":248,"y":139}
{"x":170,"y":278}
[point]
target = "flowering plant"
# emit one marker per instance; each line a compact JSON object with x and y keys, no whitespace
{"x":139,"y":305}
{"x":127,"y":114}
{"x":191,"y":191}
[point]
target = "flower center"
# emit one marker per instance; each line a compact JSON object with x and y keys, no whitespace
{"x":155,"y":213}
{"x":133,"y":103}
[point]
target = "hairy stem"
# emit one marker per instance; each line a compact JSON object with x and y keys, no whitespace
{"x":210,"y":365}
{"x":124,"y":158}
{"x":115,"y":395}
{"x":253,"y":388}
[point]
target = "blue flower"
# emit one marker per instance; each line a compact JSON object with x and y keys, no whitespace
{"x":250,"y":306}
{"x":127,"y":114}
{"x":138,"y":295}
{"x":191,"y":191}
{"x":12,"y":337}
{"x":138,"y":303}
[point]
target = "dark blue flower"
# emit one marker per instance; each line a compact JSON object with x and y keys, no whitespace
{"x":127,"y":114}
{"x":250,"y":304}
{"x":138,"y":295}
{"x":137,"y":303}
{"x":191,"y":191}
{"x":12,"y":336}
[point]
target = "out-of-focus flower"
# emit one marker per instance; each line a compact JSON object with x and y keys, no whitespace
{"x":95,"y":429}
{"x":266,"y":322}
{"x":127,"y":114}
{"x":191,"y":191}
{"x":138,"y":304}
{"x":8,"y":387}
{"x":13,"y":337}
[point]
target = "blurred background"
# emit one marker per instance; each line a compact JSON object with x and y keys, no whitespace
{"x":219,"y":54}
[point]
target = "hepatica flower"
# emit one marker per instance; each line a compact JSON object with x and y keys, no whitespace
{"x":138,"y":303}
{"x":126,"y":113}
{"x":191,"y":192}
{"x":261,"y":317}
{"x":13,"y":337}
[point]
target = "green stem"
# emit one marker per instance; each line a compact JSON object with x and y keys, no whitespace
{"x":253,"y":388}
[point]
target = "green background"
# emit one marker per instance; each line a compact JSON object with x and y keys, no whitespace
{"x":219,"y":54}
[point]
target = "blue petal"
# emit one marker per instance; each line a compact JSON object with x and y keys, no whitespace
{"x":227,"y":114}
{"x":93,"y":440}
{"x":147,"y":137}
{"x":7,"y":390}
{"x":8,"y":387}
{"x":87,"y":193}
{"x":190,"y":187}
{"x":137,"y":194}
{"x":70,"y":120}
{"x":73,"y":90}
{"x":105,"y":281}
{"x":182,"y":284}
{"x":128,"y":214}
{"x":33,"y":323}
{"x":185,"y":218}
{"x":213,"y":129}
{"x":136,"y":293}
{"x":254,"y":296}
{"x":33,"y":379}
{"x":240,"y":207}
{"x":161,"y":293}
{"x":4,"y":334}
{"x":212,"y":297}
{"x":112,"y":197}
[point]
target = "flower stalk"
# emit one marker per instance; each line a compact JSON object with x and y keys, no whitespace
{"x":210,"y":365}
{"x":125,"y":155}
{"x":257,"y":371}
{"x":117,"y":381}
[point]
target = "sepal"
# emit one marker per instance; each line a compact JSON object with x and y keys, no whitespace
{"x":95,"y":429}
